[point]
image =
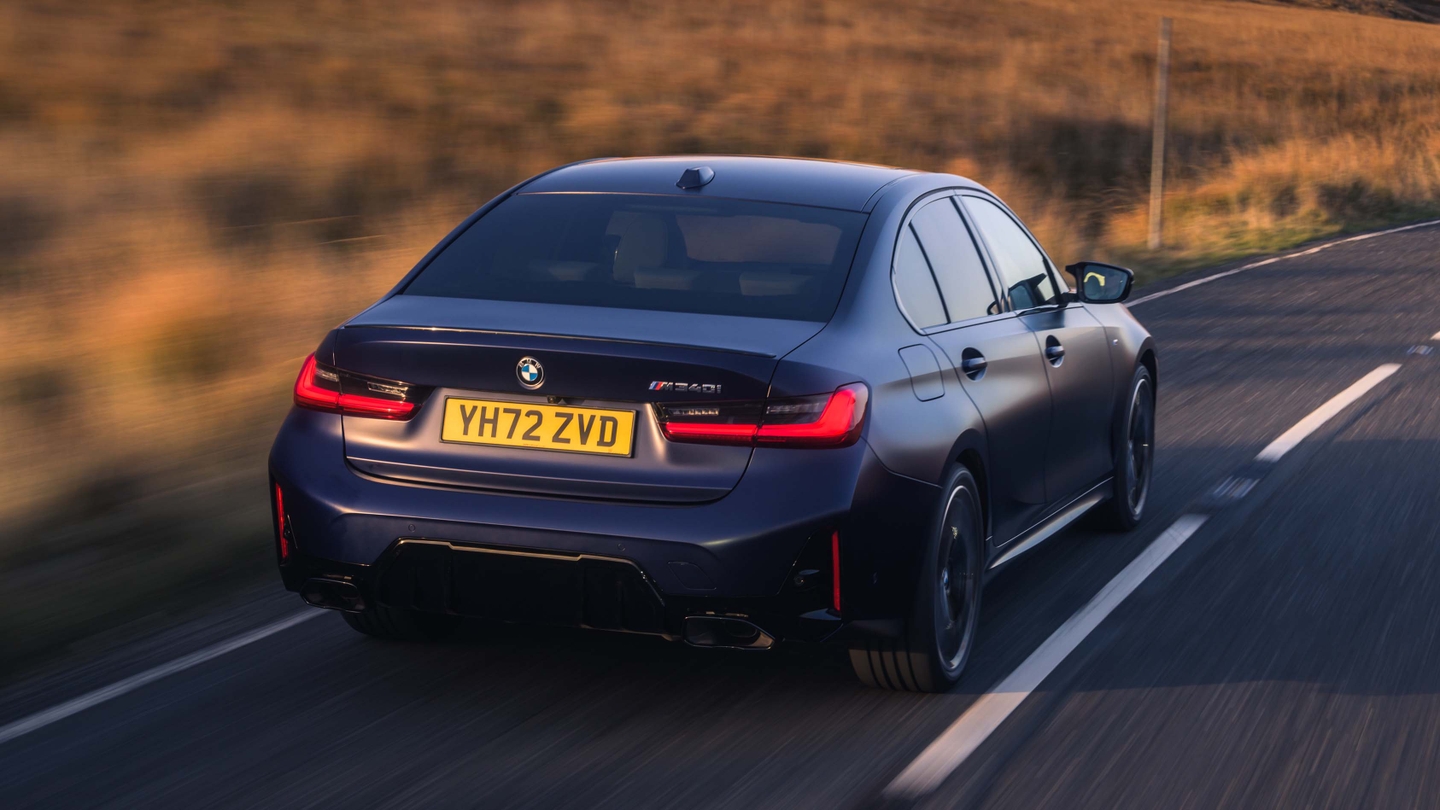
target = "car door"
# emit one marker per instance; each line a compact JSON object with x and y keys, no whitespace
{"x":1073,"y":344}
{"x":992,"y":354}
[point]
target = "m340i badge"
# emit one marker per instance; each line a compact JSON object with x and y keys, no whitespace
{"x":692,"y":388}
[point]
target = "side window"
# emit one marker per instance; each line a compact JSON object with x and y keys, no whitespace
{"x":1021,"y":265}
{"x":955,"y":261}
{"x":914,"y":285}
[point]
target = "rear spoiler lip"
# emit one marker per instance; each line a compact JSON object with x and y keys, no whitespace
{"x":559,"y":335}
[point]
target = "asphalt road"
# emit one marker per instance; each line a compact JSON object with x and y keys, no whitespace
{"x":1288,"y":654}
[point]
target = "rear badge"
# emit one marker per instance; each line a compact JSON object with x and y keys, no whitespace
{"x":530,"y":373}
{"x":692,"y":388}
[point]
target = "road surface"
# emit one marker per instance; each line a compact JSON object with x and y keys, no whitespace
{"x":1285,"y":654}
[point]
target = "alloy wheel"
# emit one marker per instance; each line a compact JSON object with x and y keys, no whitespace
{"x":957,"y":579}
{"x":1140,"y":447}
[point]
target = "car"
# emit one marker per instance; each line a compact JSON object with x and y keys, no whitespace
{"x":727,"y":400}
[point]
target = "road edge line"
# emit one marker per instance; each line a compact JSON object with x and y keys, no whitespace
{"x":954,"y":745}
{"x":39,"y":720}
{"x":1251,"y":266}
{"x":1287,"y":441}
{"x":960,"y":739}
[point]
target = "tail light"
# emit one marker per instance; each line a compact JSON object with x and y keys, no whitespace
{"x":323,"y":387}
{"x":825,"y":420}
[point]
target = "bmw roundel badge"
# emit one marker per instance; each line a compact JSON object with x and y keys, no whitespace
{"x":530,"y":373}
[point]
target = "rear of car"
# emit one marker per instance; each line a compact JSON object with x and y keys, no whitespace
{"x":568,"y":415}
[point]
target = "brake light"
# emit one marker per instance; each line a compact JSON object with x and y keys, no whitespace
{"x":704,"y":431}
{"x":825,"y":420}
{"x":323,"y":387}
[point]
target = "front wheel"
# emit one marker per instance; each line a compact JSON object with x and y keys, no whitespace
{"x":947,"y":602}
{"x":1134,"y":456}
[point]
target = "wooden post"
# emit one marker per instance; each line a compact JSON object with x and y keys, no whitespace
{"x":1157,"y":147}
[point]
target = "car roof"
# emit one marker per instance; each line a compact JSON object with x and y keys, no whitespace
{"x":800,"y":181}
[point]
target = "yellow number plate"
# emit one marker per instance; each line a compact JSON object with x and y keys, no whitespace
{"x":542,"y":427}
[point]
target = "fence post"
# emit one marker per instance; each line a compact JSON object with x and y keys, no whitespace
{"x":1157,"y":146}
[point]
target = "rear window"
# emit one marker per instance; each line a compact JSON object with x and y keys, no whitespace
{"x":635,"y":251}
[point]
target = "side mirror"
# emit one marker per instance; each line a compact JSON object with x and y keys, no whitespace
{"x":1098,"y":283}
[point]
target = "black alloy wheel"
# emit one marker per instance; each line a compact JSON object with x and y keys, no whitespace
{"x":1134,"y":457}
{"x":947,"y":602}
{"x":1140,"y":446}
{"x":958,"y":582}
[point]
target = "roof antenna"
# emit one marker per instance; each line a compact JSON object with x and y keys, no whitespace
{"x":696,"y":177}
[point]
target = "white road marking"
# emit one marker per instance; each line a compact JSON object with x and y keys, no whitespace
{"x":1435,"y":336}
{"x":960,"y":740}
{"x":1287,"y":440}
{"x":1196,"y":283}
{"x":1152,"y":296}
{"x":90,"y":699}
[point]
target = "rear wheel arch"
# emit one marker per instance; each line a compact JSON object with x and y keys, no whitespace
{"x":969,"y":450}
{"x":941,"y":629}
{"x":976,"y":465}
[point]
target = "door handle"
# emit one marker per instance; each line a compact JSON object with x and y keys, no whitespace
{"x":973,"y":363}
{"x":1054,"y":352}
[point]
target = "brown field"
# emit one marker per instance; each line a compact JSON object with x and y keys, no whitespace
{"x":193,"y":193}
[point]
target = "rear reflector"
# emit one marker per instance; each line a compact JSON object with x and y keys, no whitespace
{"x":282,"y":542}
{"x":835,"y":571}
{"x":824,"y":420}
{"x":322,"y":387}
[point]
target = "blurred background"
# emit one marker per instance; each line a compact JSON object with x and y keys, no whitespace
{"x":193,"y":193}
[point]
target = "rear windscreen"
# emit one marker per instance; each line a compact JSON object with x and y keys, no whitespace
{"x":635,"y":251}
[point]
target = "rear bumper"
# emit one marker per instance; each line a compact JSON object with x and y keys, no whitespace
{"x":545,"y":558}
{"x":556,"y":589}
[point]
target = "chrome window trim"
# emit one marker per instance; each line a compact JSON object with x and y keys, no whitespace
{"x":950,"y":327}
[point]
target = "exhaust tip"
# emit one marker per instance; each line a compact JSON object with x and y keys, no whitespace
{"x":332,"y":594}
{"x":726,"y":632}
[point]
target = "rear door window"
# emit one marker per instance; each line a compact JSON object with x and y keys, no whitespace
{"x":915,"y":284}
{"x":955,"y":261}
{"x":657,"y":252}
{"x":1022,"y":267}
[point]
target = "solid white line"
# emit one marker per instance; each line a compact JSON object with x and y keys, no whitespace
{"x":1287,"y":440}
{"x":41,"y":719}
{"x":954,"y":745}
{"x":985,"y":715}
{"x":1196,"y":283}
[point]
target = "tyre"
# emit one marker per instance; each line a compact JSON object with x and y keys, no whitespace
{"x":379,"y":621}
{"x":946,"y":614}
{"x":1134,"y":456}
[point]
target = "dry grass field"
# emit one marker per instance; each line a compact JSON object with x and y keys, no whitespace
{"x":192,"y":193}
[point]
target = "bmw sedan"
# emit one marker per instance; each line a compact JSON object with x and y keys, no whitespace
{"x":727,"y":400}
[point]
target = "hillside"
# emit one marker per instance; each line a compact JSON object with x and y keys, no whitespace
{"x":194,"y":193}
